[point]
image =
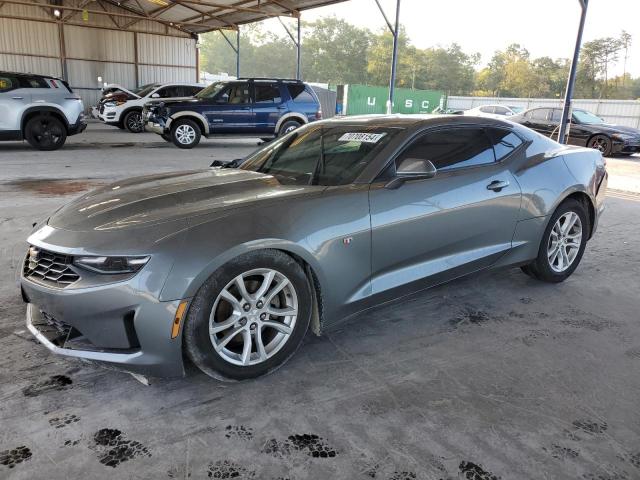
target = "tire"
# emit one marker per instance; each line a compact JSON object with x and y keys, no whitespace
{"x":185,"y":133}
{"x":288,"y":126}
{"x":166,"y":137}
{"x":45,"y":132}
{"x":602,"y":143}
{"x":133,"y":121}
{"x":554,"y":269}
{"x":211,"y":306}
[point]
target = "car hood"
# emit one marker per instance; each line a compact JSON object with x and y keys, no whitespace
{"x":175,"y":102}
{"x":151,"y":200}
{"x":612,"y":128}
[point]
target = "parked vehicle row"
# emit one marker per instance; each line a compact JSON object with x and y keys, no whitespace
{"x":41,"y":109}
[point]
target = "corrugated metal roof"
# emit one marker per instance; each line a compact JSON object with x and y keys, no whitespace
{"x":199,"y":16}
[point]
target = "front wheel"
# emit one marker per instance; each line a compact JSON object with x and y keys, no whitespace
{"x":45,"y":132}
{"x":133,"y":122}
{"x":601,"y":143}
{"x":249,"y":317}
{"x":185,"y":133}
{"x":562,"y":245}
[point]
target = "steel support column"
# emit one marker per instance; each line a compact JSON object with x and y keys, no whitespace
{"x":297,"y":41}
{"x":395,"y":31}
{"x":235,"y":48}
{"x":566,"y":110}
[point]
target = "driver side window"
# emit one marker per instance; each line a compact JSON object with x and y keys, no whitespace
{"x":451,"y":148}
{"x":234,"y":94}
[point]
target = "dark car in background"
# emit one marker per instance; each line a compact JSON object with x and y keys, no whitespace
{"x":260,"y":107}
{"x":586,"y":130}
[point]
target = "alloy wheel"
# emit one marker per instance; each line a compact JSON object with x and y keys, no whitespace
{"x":564,"y":242}
{"x":601,"y":144}
{"x":185,"y":134}
{"x":47,"y":133}
{"x":253,"y":317}
{"x":134,"y":122}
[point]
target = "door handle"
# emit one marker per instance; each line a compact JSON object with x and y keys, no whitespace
{"x":497,"y":185}
{"x":17,"y":98}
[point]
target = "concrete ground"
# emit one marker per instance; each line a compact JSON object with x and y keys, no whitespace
{"x":495,"y":376}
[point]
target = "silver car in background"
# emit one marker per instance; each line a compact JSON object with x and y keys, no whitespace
{"x":231,"y":266}
{"x":40,"y":109}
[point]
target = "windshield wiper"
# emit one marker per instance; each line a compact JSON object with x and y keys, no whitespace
{"x":319,"y":164}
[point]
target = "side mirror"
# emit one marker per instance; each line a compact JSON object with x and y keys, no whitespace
{"x":155,"y":95}
{"x":508,"y":114}
{"x":412,"y":169}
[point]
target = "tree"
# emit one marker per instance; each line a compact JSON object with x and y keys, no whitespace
{"x":334,"y":51}
{"x":625,"y":43}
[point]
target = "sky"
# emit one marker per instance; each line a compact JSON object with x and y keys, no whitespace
{"x":544,"y":27}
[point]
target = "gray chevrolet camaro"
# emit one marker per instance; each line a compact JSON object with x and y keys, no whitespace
{"x":231,"y":266}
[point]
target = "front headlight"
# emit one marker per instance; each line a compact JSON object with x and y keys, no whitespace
{"x":112,"y":104}
{"x":111,"y":265}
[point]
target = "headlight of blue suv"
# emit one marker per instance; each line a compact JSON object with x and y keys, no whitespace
{"x":111,"y":265}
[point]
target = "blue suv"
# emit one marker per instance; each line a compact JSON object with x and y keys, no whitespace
{"x":260,"y":107}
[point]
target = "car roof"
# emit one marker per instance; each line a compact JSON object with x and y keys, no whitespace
{"x":415,"y":120}
{"x":23,"y":74}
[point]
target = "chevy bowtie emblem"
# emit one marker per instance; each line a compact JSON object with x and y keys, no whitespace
{"x":347,"y":241}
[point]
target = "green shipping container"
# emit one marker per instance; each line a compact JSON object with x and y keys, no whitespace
{"x":363,"y":99}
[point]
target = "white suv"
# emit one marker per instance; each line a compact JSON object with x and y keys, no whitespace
{"x":127,"y":113}
{"x":494,"y":111}
{"x":40,"y":109}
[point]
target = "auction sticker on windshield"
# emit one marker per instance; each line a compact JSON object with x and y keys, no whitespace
{"x":362,"y":137}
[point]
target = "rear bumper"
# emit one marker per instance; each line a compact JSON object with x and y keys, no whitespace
{"x":112,"y":324}
{"x":77,"y":128}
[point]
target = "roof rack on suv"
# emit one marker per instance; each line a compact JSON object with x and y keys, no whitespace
{"x":290,"y":80}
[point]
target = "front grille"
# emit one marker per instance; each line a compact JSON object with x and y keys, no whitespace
{"x":49,"y":268}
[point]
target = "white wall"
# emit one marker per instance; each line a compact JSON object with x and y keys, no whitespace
{"x":621,"y":112}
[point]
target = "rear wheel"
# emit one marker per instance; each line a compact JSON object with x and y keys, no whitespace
{"x":288,"y":126}
{"x":185,"y":133}
{"x":249,"y":317}
{"x":562,"y":245}
{"x":602,"y":143}
{"x":133,"y":122}
{"x":45,"y":132}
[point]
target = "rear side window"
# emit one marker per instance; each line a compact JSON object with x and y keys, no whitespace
{"x":33,"y":82}
{"x":501,"y":111}
{"x":504,"y":142}
{"x":556,"y":115}
{"x":267,"y":93}
{"x":486,"y":109}
{"x":301,"y":94}
{"x":191,"y":91}
{"x":7,"y":83}
{"x":452,"y":148}
{"x":539,"y":114}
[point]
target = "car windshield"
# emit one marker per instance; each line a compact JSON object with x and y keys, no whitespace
{"x":142,"y":88}
{"x":516,"y":109}
{"x":321,"y":154}
{"x":146,"y":90}
{"x":212,"y":90}
{"x":582,"y":116}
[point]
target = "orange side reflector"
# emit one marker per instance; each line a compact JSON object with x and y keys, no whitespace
{"x":175,"y":328}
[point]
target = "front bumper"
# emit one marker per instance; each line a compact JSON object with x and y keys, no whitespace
{"x":155,"y":127}
{"x":112,"y":324}
{"x":618,"y":147}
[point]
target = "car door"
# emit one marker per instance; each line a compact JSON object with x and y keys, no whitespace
{"x":267,"y":105}
{"x":538,"y":119}
{"x":231,"y":111}
{"x":13,"y":99}
{"x":463,"y":219}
